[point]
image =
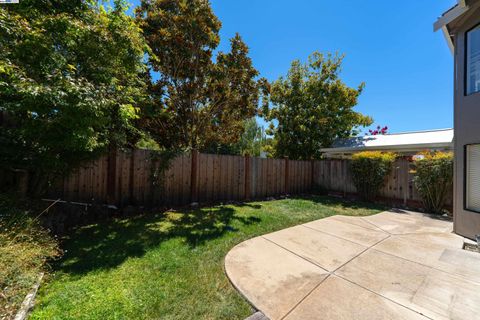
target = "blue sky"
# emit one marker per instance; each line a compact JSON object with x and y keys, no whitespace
{"x":390,"y":45}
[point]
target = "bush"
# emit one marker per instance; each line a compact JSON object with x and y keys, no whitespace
{"x":433,"y":179}
{"x":369,"y":171}
{"x":24,"y":249}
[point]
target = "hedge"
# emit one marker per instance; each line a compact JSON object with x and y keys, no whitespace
{"x":369,"y":172}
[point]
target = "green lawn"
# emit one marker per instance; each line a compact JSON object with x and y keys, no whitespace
{"x":169,"y":265}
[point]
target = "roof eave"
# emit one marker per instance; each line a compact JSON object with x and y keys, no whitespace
{"x":448,"y":38}
{"x":451,"y":15}
{"x":405,"y":147}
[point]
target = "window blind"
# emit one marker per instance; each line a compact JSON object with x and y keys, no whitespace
{"x":473,"y":177}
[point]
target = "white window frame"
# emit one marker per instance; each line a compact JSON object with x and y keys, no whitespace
{"x":467,"y":53}
{"x":467,"y":183}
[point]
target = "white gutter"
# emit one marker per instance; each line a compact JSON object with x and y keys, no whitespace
{"x":406,"y":147}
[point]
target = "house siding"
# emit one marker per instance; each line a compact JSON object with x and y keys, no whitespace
{"x":466,"y":129}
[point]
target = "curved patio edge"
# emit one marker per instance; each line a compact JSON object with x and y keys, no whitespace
{"x":305,"y":270}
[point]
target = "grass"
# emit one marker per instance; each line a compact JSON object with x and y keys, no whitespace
{"x":168,"y":265}
{"x":24,"y":249}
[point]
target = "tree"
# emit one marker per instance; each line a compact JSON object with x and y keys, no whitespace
{"x":252,"y":141}
{"x":70,"y":78}
{"x":196,"y":102}
{"x":312,"y":107}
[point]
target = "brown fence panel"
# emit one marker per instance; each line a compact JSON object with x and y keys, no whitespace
{"x":132,"y":177}
{"x":299,"y":176}
{"x":335,"y":175}
{"x":86,"y":184}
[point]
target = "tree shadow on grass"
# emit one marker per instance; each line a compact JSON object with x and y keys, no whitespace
{"x":107,"y":244}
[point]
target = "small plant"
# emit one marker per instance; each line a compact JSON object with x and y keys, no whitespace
{"x":369,"y":172}
{"x":433,"y":179}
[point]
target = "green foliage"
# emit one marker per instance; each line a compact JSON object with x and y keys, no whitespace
{"x":433,"y":179}
{"x":70,"y":79}
{"x":369,"y":171}
{"x":146,"y":142}
{"x":252,"y":141}
{"x":24,"y":249}
{"x":197,"y":102}
{"x":313,"y":107}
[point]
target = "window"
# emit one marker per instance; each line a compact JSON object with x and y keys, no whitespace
{"x":472,"y":183}
{"x":473,"y":61}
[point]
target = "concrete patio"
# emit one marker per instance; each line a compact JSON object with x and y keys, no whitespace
{"x":393,"y":265}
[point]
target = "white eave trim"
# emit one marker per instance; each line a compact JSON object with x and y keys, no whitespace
{"x":403,"y":147}
{"x":448,"y":38}
{"x":451,"y":15}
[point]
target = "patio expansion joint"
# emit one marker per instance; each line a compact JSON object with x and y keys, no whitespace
{"x":360,"y":253}
{"x":424,"y":265}
{"x":381,"y":295}
{"x":373,"y":224}
{"x":306,"y":296}
{"x":296,"y":254}
{"x":329,"y":273}
{"x":365,"y":288}
{"x":376,"y":228}
{"x":338,"y":237}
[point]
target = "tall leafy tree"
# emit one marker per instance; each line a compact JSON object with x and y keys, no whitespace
{"x":70,"y":78}
{"x":252,"y":141}
{"x":196,"y":102}
{"x":312,"y":107}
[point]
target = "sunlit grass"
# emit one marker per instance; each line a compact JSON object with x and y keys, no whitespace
{"x":168,"y":265}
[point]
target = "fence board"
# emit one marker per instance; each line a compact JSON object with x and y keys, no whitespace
{"x":335,"y":175}
{"x":218,"y":178}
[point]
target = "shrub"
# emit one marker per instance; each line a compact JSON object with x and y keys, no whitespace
{"x":369,"y":171}
{"x":24,"y":249}
{"x":433,"y":179}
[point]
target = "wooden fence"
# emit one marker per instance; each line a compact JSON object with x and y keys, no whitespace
{"x":335,"y":175}
{"x":124,"y":178}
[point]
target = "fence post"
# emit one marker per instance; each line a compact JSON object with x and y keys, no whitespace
{"x":312,"y":182}
{"x":193,"y":177}
{"x":131,"y":184}
{"x":112,"y":176}
{"x":247,"y":176}
{"x":287,"y":175}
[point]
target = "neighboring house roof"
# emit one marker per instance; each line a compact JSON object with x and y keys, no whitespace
{"x":451,"y":15}
{"x":442,"y":138}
